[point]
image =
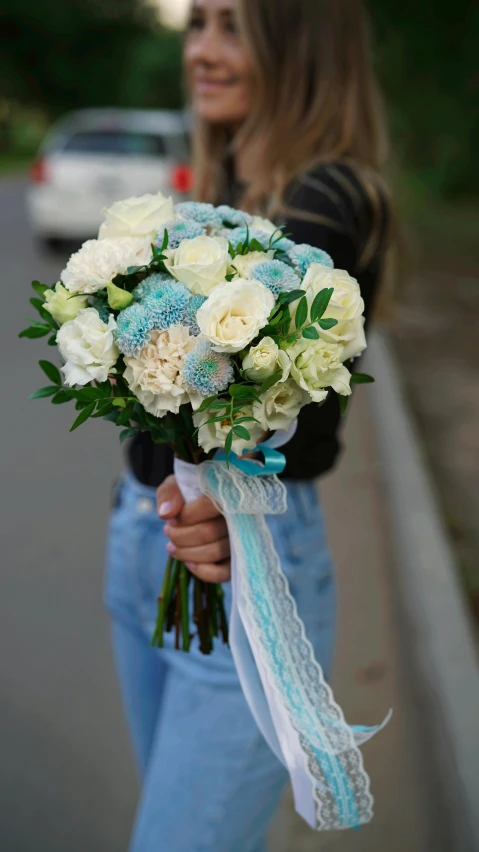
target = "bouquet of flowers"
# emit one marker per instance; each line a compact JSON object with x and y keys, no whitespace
{"x":210,"y":329}
{"x":205,"y":326}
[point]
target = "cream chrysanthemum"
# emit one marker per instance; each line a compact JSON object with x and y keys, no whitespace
{"x":154,"y":375}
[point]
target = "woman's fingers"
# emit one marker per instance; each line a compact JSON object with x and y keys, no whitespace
{"x":218,"y":572}
{"x":217,"y":551}
{"x":169,"y":500}
{"x":198,"y":511}
{"x":198,"y":534}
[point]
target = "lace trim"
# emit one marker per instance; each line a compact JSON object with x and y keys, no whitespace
{"x":334,"y":764}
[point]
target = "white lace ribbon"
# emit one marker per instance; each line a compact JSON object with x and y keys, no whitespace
{"x":283,"y":683}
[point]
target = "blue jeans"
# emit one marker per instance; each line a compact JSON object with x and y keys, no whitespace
{"x":210,"y":782}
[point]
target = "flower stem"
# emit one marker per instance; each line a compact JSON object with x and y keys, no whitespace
{"x":222,"y":614}
{"x":185,"y":609}
{"x":157,"y":638}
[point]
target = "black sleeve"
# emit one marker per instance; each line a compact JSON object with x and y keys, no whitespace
{"x":335,"y":196}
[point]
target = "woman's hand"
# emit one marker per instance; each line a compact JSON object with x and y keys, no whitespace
{"x":197,"y":531}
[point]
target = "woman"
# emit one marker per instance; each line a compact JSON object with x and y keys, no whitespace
{"x":288,"y":126}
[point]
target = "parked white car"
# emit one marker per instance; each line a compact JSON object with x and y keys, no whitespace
{"x":91,"y":158}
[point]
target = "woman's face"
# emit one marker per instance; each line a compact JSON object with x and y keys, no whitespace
{"x":217,"y":63}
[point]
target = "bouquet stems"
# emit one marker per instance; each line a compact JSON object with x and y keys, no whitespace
{"x":208,"y":615}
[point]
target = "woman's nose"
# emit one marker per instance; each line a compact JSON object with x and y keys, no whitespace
{"x":206,"y":47}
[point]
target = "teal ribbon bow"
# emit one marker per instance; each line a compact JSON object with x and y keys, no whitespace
{"x":274,"y":462}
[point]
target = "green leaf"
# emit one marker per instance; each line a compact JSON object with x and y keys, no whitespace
{"x":110,"y":416}
{"x":51,"y":372}
{"x":52,"y":341}
{"x":39,"y":288}
{"x":164,"y":244}
{"x":228,"y":443}
{"x":103,"y":408}
{"x":320,"y":303}
{"x":80,"y":404}
{"x":269,"y":382}
{"x":311,"y":333}
{"x":124,"y":416}
{"x":231,"y":249}
{"x":62,"y":396}
{"x":127,"y":433}
{"x":43,"y":392}
{"x":230,"y":276}
{"x":89,"y":393}
{"x":343,"y":404}
{"x":255,"y":245}
{"x":84,"y":415}
{"x":361,"y":379}
{"x":218,"y":419}
{"x":240,"y":390}
{"x":37,"y":303}
{"x":292,"y":296}
{"x":35,"y":331}
{"x":241,"y":432}
{"x":239,"y":248}
{"x":246,"y":420}
{"x":301,"y":312}
{"x":207,"y":403}
{"x":326,"y":324}
{"x":119,"y":402}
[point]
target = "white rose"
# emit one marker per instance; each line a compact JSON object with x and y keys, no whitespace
{"x":353,"y":338}
{"x":243,"y":263}
{"x":346,"y":306}
{"x":60,"y":304}
{"x":316,"y":365}
{"x":213,"y":435}
{"x":234,"y":313}
{"x":86,"y":343}
{"x":154,"y":375}
{"x":137,"y":217}
{"x":98,"y":261}
{"x":280,"y":405}
{"x":200,"y":263}
{"x":263,"y":225}
{"x":264,"y":359}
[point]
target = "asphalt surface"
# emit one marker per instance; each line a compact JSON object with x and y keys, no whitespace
{"x":67,"y":781}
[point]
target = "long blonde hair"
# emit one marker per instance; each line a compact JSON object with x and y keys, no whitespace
{"x":316,"y":102}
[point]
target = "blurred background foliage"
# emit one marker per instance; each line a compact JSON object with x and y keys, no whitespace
{"x":58,"y":55}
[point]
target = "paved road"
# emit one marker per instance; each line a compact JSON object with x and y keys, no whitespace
{"x":66,"y":777}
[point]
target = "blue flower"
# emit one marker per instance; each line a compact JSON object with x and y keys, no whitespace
{"x":178,"y":230}
{"x":199,"y":211}
{"x":234,"y":218}
{"x":192,"y":307}
{"x":151,"y":283}
{"x":167,"y":304}
{"x":102,"y":308}
{"x":284,"y":244}
{"x":133,"y":326}
{"x":205,"y":371}
{"x":276,"y":275}
{"x":239,"y":235}
{"x":303,"y":255}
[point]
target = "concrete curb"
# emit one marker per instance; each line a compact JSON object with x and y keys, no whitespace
{"x":443,"y":644}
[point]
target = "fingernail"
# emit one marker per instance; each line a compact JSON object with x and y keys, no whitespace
{"x":191,"y":565}
{"x":165,"y":508}
{"x":170,"y":547}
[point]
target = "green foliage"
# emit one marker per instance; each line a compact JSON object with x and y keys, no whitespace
{"x":60,"y":55}
{"x":427,"y":64}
